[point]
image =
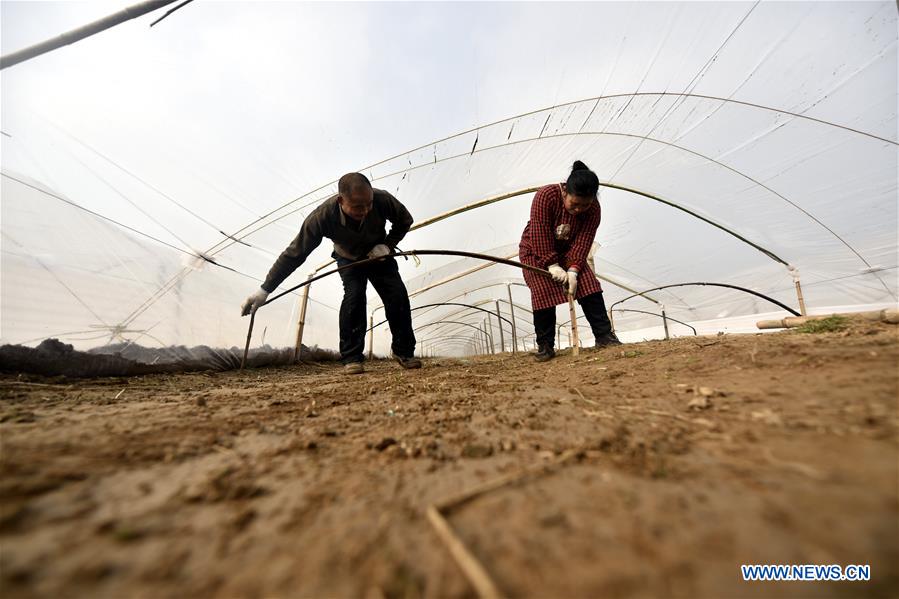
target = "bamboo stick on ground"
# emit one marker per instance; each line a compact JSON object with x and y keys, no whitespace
{"x":888,"y":315}
{"x":473,"y":570}
{"x":470,"y":566}
{"x":491,"y":485}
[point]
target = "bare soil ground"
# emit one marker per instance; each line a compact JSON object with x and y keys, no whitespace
{"x":693,"y":457}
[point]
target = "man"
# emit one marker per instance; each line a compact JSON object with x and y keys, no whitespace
{"x":355,"y":220}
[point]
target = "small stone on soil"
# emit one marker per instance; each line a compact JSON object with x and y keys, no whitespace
{"x":385,"y":443}
{"x":699,"y":403}
{"x":475,"y":450}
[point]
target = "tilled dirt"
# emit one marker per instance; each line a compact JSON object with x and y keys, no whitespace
{"x":692,"y":457}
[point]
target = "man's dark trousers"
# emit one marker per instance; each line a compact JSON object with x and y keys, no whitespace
{"x":385,"y":278}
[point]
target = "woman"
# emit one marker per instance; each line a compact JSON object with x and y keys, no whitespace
{"x":558,"y":238}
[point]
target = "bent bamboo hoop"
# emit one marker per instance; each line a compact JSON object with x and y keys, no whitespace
{"x":413,"y":253}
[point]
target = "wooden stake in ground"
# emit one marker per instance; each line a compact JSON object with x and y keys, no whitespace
{"x":575,"y":342}
{"x":246,"y":348}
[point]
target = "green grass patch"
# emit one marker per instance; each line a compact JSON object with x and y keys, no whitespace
{"x":831,"y":324}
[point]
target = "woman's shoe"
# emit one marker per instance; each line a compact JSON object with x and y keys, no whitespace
{"x":544,"y":354}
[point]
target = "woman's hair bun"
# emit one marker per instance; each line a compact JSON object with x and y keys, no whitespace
{"x":579,"y":166}
{"x":582,"y":181}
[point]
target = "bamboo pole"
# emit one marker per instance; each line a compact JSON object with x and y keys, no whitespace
{"x":75,"y":35}
{"x":888,"y":315}
{"x":799,"y":296}
{"x":514,"y":326}
{"x":794,"y":272}
{"x":301,"y":323}
{"x":575,"y":342}
{"x":499,"y":323}
{"x":246,"y":349}
{"x":371,"y":333}
{"x":492,"y":338}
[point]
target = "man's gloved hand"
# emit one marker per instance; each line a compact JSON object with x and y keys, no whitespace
{"x":379,"y":251}
{"x":254,"y":302}
{"x":572,"y":281}
{"x":558,"y":273}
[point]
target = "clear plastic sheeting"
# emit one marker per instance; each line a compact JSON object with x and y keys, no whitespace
{"x":739,"y":144}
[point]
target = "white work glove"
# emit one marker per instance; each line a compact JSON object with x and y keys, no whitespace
{"x":558,"y":273}
{"x":254,"y":302}
{"x":379,"y":251}
{"x":572,"y":282}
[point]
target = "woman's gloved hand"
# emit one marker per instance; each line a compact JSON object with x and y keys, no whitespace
{"x":572,"y":281}
{"x":558,"y":273}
